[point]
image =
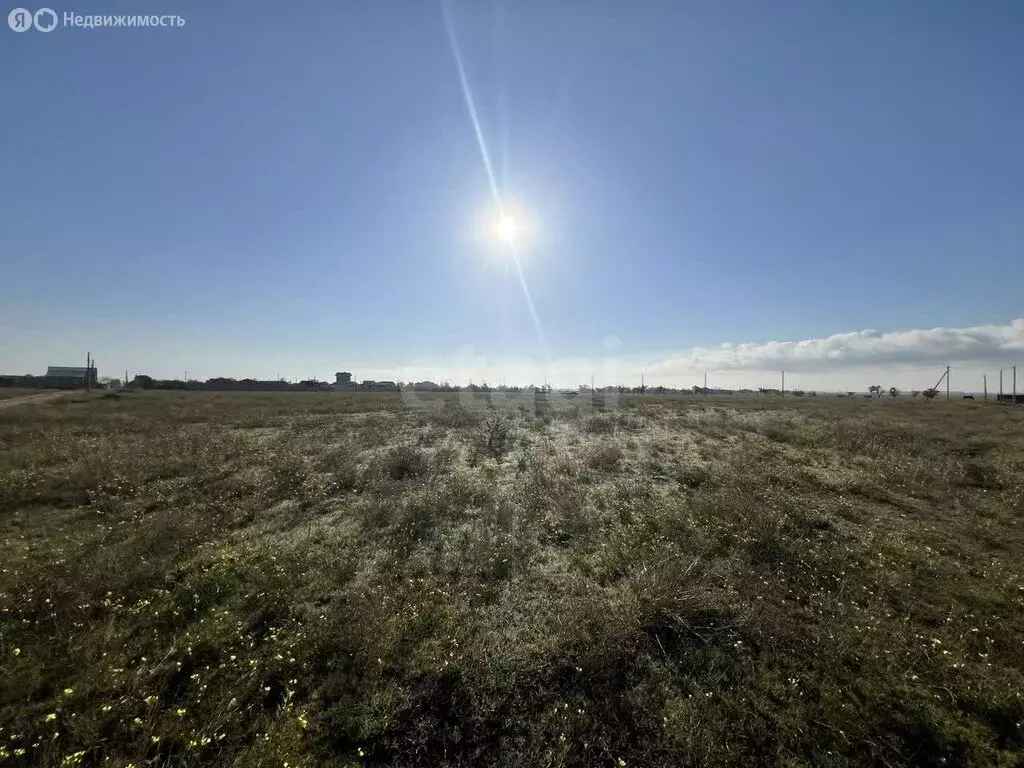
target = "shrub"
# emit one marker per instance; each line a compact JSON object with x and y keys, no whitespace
{"x":499,"y":437}
{"x":406,"y":462}
{"x":605,"y":456}
{"x":601,"y":424}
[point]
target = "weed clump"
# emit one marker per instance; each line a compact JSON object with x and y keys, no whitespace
{"x":406,"y":462}
{"x":605,"y":456}
{"x":499,"y":437}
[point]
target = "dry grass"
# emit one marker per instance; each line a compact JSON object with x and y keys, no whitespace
{"x":13,"y":393}
{"x":301,"y":579}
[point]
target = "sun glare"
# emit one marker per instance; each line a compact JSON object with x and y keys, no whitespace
{"x":507,"y":229}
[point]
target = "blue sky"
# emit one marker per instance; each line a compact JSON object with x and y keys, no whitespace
{"x":299,"y":189}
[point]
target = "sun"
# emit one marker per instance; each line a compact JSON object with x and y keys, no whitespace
{"x":507,"y":229}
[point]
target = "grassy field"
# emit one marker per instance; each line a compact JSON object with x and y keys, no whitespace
{"x":300,"y":580}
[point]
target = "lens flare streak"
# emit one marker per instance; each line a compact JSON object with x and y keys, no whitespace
{"x":467,"y":95}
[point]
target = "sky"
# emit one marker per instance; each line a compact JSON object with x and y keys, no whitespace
{"x":699,"y":187}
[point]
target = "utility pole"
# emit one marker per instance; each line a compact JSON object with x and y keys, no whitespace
{"x":88,"y":371}
{"x":984,"y":384}
{"x":947,"y":382}
{"x":999,"y":399}
{"x":125,"y":384}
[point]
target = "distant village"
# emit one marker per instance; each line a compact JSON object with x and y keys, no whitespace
{"x":70,"y":377}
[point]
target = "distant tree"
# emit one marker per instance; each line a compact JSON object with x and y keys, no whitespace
{"x":893,"y":392}
{"x":142,"y":381}
{"x":875,"y":389}
{"x":929,"y":394}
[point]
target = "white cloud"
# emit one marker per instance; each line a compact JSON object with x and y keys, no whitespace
{"x":908,"y":359}
{"x":858,"y":349}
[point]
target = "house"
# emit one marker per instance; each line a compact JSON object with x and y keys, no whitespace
{"x":65,"y":377}
{"x":343,"y":383}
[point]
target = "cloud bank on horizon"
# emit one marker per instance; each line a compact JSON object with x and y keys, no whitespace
{"x":991,"y":344}
{"x":850,"y":360}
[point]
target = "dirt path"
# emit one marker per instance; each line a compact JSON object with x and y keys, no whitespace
{"x":41,"y":398}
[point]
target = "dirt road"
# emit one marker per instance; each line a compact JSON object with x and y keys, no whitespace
{"x":40,"y":398}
